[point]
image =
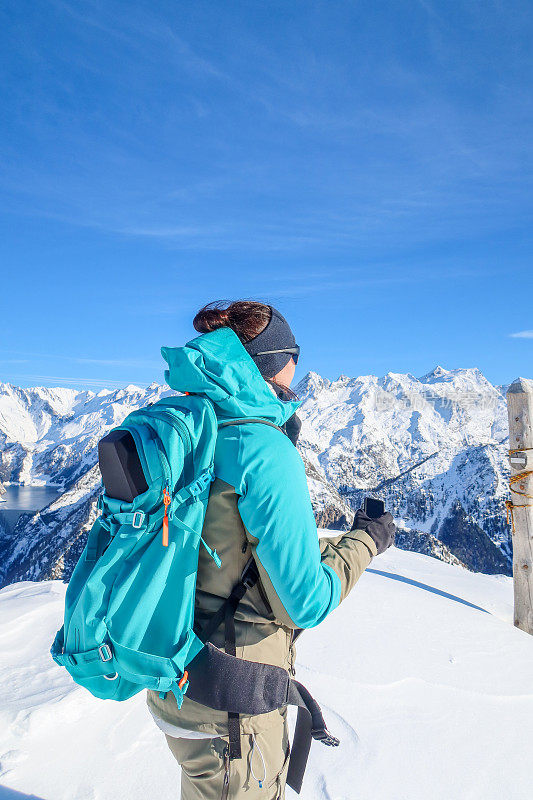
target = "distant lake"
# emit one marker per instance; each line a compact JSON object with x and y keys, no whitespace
{"x":21,"y":499}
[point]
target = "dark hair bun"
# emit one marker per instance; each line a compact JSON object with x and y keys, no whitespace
{"x":246,"y":317}
{"x":210,"y":318}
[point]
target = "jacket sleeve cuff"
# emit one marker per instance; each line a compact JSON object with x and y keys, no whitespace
{"x":363,"y":536}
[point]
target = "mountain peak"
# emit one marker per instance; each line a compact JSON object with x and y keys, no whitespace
{"x":311,"y":382}
{"x":437,"y":373}
{"x":464,"y":378}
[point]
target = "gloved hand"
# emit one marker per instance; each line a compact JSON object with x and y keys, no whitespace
{"x":381,"y":529}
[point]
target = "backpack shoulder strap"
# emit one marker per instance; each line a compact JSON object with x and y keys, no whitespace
{"x":226,"y":614}
{"x":248,"y":579}
{"x":246,"y":420}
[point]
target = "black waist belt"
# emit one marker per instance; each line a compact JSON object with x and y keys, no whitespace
{"x":221,"y":681}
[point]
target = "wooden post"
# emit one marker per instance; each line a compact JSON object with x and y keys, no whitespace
{"x":520,"y":410}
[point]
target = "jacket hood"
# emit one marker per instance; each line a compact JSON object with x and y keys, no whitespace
{"x":217,"y":365}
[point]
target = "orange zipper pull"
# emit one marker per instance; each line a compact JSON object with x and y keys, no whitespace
{"x":166,"y":502}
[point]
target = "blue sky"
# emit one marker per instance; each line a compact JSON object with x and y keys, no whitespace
{"x":365,"y":167}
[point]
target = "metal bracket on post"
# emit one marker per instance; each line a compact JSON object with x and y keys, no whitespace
{"x":521,"y":461}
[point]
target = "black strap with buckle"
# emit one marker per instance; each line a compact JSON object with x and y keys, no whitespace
{"x":226,"y":614}
{"x":224,"y":682}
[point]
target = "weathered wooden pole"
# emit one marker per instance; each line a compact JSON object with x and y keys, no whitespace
{"x":520,"y":410}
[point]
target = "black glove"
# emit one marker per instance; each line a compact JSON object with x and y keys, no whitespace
{"x":381,"y":529}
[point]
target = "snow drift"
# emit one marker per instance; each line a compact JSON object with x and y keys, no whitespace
{"x":420,"y":672}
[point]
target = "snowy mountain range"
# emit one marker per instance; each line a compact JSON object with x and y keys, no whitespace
{"x":434,"y":448}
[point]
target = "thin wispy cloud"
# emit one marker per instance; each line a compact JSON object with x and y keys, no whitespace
{"x":323,"y":285}
{"x":176,"y":232}
{"x":522,"y":335}
{"x":296,"y":94}
{"x":132,"y":363}
{"x":139,"y":30}
{"x":102,"y":383}
{"x":118,"y":362}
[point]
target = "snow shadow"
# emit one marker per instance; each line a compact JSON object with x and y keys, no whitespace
{"x":12,"y":794}
{"x":395,"y":577}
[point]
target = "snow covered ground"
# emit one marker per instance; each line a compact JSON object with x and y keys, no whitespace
{"x":420,"y":672}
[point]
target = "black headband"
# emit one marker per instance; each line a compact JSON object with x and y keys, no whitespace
{"x":276,"y":336}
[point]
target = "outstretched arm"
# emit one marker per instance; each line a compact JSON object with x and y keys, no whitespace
{"x":302,"y":584}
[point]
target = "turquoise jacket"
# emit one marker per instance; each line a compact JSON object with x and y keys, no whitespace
{"x":265,"y":469}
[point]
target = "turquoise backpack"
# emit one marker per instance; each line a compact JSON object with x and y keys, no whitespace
{"x":129,"y":607}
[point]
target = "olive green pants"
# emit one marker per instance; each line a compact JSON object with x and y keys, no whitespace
{"x":208,"y":774}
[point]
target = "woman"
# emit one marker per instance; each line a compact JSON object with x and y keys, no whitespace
{"x":259,"y":507}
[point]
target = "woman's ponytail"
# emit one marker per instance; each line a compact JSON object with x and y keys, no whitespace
{"x":210,"y":318}
{"x":246,"y":317}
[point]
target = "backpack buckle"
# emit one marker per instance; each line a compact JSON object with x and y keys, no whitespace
{"x":138,"y":519}
{"x":250,"y":574}
{"x":201,"y":483}
{"x":324,"y":736}
{"x":249,"y":579}
{"x":105,"y":652}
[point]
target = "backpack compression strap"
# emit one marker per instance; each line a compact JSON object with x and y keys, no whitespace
{"x":246,"y":420}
